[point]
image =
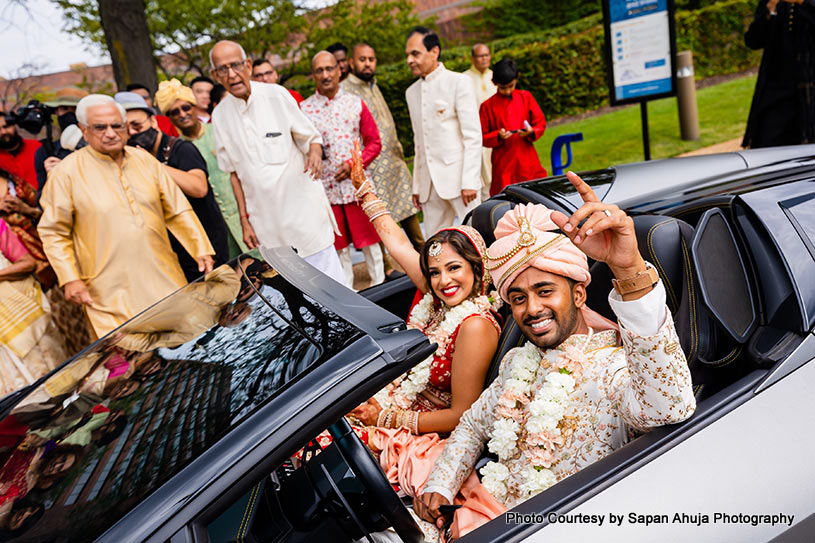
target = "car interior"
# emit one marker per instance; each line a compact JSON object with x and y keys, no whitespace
{"x":711,"y":259}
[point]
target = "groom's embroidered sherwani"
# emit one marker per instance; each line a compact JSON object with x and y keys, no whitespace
{"x":637,"y":386}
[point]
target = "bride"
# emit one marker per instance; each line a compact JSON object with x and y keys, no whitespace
{"x":455,"y":312}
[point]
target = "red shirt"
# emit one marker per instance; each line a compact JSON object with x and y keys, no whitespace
{"x":21,"y":162}
{"x":166,"y":126}
{"x":515,"y":158}
{"x":296,"y":95}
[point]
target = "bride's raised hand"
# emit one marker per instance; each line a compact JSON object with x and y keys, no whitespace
{"x":357,"y":172}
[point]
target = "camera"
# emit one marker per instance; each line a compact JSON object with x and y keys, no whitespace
{"x":32,"y":117}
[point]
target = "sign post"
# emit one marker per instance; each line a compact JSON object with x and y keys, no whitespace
{"x":640,"y":51}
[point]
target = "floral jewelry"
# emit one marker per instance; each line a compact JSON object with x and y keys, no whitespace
{"x":439,"y":331}
{"x":543,"y":425}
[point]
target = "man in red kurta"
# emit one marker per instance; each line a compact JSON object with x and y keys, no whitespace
{"x":511,"y":121}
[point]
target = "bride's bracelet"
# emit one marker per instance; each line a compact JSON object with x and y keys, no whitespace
{"x":396,"y":418}
{"x":365,"y":188}
{"x":375,"y":209}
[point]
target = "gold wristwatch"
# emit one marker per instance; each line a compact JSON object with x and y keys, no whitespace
{"x":635,"y":283}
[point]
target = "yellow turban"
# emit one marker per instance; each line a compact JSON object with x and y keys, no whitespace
{"x":170,"y":91}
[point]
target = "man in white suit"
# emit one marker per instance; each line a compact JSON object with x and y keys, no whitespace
{"x":446,"y":133}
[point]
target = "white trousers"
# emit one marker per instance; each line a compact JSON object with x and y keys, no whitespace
{"x":374,"y":261}
{"x":486,"y":173}
{"x":327,"y":262}
{"x":440,"y":213}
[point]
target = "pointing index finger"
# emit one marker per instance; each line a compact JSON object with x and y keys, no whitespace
{"x":583,"y":189}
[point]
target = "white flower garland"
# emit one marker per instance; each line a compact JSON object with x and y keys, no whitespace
{"x":421,"y":318}
{"x":546,"y":411}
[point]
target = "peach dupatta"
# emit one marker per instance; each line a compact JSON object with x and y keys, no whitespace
{"x":407,"y":461}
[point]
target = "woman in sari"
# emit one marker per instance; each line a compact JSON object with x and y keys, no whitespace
{"x":29,"y":344}
{"x":21,"y":211}
{"x":19,"y":208}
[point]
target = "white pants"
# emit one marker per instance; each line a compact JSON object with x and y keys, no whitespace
{"x":374,"y":261}
{"x":440,"y":213}
{"x":327,"y":262}
{"x":486,"y":173}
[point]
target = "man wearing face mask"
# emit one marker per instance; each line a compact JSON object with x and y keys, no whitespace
{"x":187,"y":168}
{"x":64,"y":103}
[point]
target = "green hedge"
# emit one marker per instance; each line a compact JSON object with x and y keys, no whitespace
{"x":506,"y":18}
{"x":564,"y":67}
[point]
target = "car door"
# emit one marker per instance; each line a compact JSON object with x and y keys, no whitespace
{"x":339,"y":350}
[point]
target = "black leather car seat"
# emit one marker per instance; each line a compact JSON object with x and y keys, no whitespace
{"x":484,"y":218}
{"x":665,"y":242}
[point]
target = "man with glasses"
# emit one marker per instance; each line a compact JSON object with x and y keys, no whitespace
{"x":274,"y":156}
{"x":187,"y":168}
{"x":343,"y":118}
{"x":164,"y":123}
{"x":106,"y":212}
{"x":481,"y":76}
{"x":178,"y":103}
{"x":264,"y":72}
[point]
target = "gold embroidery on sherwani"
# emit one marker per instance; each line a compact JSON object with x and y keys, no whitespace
{"x":623,"y":389}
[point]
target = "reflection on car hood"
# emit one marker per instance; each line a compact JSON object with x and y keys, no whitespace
{"x":117,"y":421}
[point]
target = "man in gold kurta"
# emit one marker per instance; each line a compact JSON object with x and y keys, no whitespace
{"x":106,"y":211}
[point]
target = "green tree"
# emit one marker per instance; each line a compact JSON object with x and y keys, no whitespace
{"x":185,"y":29}
{"x":283,"y":27}
{"x":383,"y":25}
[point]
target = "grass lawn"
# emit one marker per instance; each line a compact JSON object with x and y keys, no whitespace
{"x":616,"y":137}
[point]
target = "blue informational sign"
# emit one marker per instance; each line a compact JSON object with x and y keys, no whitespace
{"x":640,"y":49}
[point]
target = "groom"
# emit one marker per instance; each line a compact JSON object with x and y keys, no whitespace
{"x":572,"y":394}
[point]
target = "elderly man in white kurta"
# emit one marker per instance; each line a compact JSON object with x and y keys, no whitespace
{"x":572,"y":394}
{"x":446,"y":134}
{"x":273,"y":153}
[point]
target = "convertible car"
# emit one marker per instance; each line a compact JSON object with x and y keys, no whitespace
{"x":195,"y":420}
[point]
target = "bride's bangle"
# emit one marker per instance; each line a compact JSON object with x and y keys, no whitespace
{"x":414,"y":423}
{"x":365,"y":188}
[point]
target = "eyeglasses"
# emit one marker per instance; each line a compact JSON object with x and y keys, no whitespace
{"x":102,"y":128}
{"x":186,"y":108}
{"x":327,"y":69}
{"x":236,"y":67}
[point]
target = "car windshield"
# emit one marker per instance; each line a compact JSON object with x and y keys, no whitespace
{"x":801,"y":212}
{"x":129,"y":413}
